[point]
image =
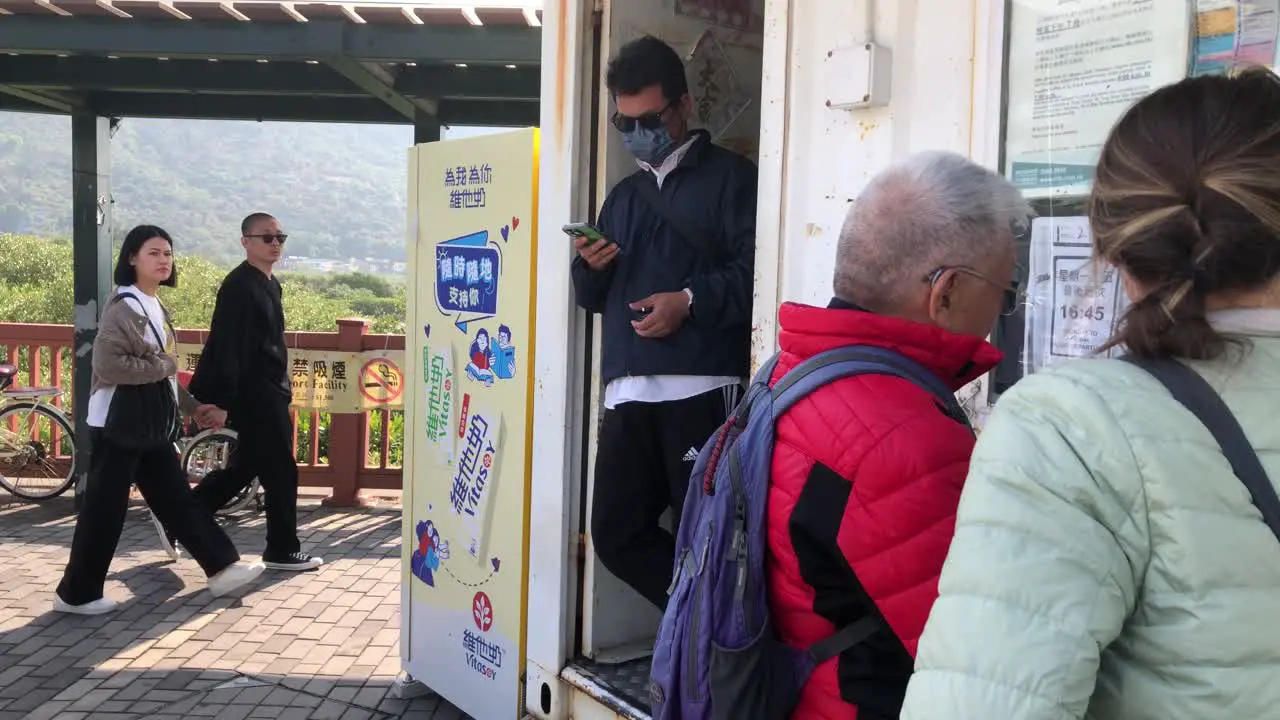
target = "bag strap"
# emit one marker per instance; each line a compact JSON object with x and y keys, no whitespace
{"x":844,"y":638}
{"x":152,"y":325}
{"x":850,"y":360}
{"x":650,"y":192}
{"x":1195,"y":394}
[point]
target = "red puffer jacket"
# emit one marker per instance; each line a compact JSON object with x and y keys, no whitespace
{"x":865,"y":482}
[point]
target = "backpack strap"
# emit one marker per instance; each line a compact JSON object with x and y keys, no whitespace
{"x":143,"y":310}
{"x":842,"y":362}
{"x":1195,"y":394}
{"x":844,"y":638}
{"x":695,"y":236}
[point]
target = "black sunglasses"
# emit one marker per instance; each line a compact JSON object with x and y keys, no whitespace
{"x":269,"y":238}
{"x":648,"y":121}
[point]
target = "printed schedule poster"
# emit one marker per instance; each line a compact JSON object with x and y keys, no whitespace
{"x":469,"y":405}
{"x":1075,"y":66}
{"x":1074,"y":300}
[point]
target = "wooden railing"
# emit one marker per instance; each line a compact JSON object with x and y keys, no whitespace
{"x":343,"y":452}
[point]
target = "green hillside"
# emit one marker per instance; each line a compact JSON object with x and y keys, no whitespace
{"x":339,"y":190}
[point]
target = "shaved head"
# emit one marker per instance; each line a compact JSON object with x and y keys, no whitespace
{"x":932,"y":210}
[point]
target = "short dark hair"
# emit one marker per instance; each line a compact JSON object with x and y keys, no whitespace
{"x":125,"y":274}
{"x":1187,"y":201}
{"x":644,"y":62}
{"x":248,"y":222}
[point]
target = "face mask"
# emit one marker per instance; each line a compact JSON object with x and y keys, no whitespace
{"x":649,"y":146}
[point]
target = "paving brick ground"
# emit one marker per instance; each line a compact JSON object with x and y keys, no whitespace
{"x":312,"y":645}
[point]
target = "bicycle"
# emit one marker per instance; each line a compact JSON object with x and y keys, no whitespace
{"x":210,"y":450}
{"x":34,"y":463}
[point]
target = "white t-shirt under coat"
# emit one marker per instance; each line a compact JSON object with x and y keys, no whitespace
{"x":100,"y":401}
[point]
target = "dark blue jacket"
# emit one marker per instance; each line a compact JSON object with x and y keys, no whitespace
{"x":713,"y":189}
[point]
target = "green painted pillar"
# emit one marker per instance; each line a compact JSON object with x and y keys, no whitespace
{"x":91,"y":236}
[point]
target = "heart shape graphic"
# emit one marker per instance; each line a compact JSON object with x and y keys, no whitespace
{"x":515,"y":223}
{"x":505,"y":232}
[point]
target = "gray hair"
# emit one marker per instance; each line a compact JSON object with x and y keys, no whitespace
{"x":932,"y":209}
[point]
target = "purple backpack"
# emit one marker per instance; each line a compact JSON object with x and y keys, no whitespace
{"x":717,"y":655}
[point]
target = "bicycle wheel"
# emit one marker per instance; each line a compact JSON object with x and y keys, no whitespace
{"x":211,"y":450}
{"x":37,"y":451}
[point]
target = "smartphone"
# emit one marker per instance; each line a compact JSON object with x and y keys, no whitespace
{"x":582,"y":230}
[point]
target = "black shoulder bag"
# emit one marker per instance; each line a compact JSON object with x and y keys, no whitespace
{"x":143,"y":417}
{"x":1196,"y":395}
{"x":693,"y":235}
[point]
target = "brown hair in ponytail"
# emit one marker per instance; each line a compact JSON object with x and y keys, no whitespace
{"x":1187,"y":202}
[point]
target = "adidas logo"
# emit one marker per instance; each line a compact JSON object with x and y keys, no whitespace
{"x":691,"y":455}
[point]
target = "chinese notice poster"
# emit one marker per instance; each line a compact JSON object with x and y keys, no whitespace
{"x":1074,"y":300}
{"x":471,"y":329}
{"x":1074,"y":67}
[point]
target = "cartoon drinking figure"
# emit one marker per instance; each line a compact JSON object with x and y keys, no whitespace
{"x":504,"y":356}
{"x":481,"y":366}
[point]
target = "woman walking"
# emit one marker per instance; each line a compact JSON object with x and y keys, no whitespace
{"x":133,"y":413}
{"x":1115,"y":554}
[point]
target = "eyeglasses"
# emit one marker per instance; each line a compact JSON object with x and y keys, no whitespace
{"x":1014,"y":297}
{"x":648,"y":121}
{"x":269,"y":238}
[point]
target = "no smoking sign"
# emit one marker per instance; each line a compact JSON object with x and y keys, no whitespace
{"x":381,"y":381}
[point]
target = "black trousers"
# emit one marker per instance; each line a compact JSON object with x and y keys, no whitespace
{"x":643,"y":461}
{"x":264,"y":450}
{"x":158,"y":475}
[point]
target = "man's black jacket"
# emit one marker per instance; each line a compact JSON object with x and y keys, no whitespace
{"x":244,"y":360}
{"x":712,"y":189}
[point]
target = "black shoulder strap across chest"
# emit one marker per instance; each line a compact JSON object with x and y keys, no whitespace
{"x":692,"y":234}
{"x":1196,"y":395}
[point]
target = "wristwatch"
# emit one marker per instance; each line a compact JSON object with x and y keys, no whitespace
{"x":689,"y":293}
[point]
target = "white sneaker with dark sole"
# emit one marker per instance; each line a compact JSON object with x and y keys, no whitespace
{"x":234,"y":577}
{"x":101,"y":606}
{"x":168,"y":543}
{"x":297,"y":562}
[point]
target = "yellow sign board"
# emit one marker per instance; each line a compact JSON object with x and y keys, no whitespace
{"x":333,"y":381}
{"x":468,"y":413}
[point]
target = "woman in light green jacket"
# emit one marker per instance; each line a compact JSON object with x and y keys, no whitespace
{"x":1107,"y":563}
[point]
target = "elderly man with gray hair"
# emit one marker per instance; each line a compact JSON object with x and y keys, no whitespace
{"x":867,"y":471}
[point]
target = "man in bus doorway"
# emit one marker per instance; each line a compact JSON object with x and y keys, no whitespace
{"x":673,"y":280}
{"x":244,"y":371}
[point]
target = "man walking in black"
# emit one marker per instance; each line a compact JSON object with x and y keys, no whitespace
{"x":244,"y":371}
{"x":673,"y":280}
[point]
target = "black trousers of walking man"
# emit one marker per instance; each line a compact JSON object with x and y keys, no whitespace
{"x":264,"y":450}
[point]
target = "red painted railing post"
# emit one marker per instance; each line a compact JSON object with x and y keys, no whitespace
{"x":347,"y":432}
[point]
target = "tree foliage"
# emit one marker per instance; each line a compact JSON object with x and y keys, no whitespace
{"x":339,"y":190}
{"x":36,"y":282}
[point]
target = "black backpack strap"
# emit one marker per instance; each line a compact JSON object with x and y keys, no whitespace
{"x":154,"y":329}
{"x":1195,"y":394}
{"x":699,"y":239}
{"x":844,"y":638}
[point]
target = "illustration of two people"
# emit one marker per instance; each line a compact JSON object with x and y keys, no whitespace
{"x":425,"y":562}
{"x":488,"y":361}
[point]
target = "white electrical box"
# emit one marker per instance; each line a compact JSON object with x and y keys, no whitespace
{"x":859,"y":77}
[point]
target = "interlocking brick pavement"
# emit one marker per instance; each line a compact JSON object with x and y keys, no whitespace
{"x":322,"y":645}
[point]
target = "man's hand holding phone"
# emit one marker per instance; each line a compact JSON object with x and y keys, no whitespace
{"x":597,"y":254}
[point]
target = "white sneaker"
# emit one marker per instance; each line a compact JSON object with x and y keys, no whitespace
{"x":169,"y":544}
{"x":233,"y":577}
{"x":101,"y":606}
